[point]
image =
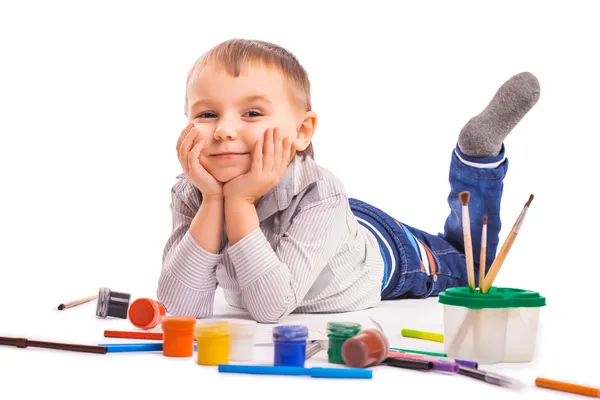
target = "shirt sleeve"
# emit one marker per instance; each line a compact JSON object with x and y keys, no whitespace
{"x":274,"y":281}
{"x":187,"y":281}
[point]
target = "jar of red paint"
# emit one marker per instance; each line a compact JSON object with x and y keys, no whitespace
{"x":146,"y":313}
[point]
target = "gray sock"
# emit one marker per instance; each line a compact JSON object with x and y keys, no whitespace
{"x":484,"y":134}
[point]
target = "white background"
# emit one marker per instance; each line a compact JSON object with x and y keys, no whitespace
{"x":91,"y":105}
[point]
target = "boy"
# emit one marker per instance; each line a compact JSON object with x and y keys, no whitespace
{"x":254,"y":214}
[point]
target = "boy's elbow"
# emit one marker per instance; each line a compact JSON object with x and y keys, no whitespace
{"x":269,"y":315}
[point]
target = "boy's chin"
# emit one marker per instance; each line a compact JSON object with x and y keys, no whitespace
{"x":228,"y":174}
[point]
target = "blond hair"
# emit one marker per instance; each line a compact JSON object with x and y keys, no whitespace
{"x":233,"y":54}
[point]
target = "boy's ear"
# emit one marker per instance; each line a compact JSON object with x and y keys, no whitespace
{"x":306,"y":130}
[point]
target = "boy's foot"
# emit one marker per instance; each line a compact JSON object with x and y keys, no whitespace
{"x":484,"y":134}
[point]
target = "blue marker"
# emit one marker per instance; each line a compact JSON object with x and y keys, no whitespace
{"x":314,"y":372}
{"x":134,"y":347}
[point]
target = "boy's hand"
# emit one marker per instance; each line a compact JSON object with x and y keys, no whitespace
{"x":189,"y":146}
{"x":270,"y":159}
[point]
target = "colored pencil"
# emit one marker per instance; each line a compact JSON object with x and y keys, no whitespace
{"x":466,"y":223}
{"x":506,"y":246}
{"x":71,"y":304}
{"x":133,"y":335}
{"x":482,"y":254}
{"x":434,"y":337}
{"x":23,"y":342}
{"x":567,"y":387}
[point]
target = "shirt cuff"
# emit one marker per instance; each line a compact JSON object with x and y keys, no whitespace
{"x":252,"y":257}
{"x":192,"y":265}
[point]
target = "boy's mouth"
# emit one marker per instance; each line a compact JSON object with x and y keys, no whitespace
{"x":227,"y":155}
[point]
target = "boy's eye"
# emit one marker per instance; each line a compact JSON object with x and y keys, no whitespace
{"x":252,"y":114}
{"x":207,"y":115}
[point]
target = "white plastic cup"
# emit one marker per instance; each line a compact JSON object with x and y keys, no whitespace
{"x":498,"y":326}
{"x":241,"y":339}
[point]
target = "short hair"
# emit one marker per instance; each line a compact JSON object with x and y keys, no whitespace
{"x":233,"y":54}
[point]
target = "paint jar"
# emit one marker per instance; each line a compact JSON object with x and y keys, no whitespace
{"x":146,"y":313}
{"x":338,"y":333}
{"x":112,"y":304}
{"x":367,"y":348}
{"x":241,"y":339}
{"x":212,"y":342}
{"x":178,"y":336}
{"x":290,"y":345}
{"x":488,"y":328}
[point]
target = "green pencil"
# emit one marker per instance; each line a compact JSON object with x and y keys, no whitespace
{"x":427,"y":353}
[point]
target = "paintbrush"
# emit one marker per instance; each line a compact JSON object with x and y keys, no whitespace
{"x":22,"y":343}
{"x":482,"y":254}
{"x":466,"y":221}
{"x":506,"y":246}
{"x":77,"y":302}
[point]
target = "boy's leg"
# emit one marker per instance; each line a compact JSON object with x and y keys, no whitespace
{"x":419,"y":264}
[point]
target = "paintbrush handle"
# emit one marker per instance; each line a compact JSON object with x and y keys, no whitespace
{"x":17,"y":342}
{"x":68,"y":347}
{"x":482,"y":256}
{"x":469,"y":259}
{"x":22,"y":343}
{"x":498,"y":261}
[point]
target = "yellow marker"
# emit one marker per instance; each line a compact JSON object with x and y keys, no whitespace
{"x":212,"y":342}
{"x":434,"y":337}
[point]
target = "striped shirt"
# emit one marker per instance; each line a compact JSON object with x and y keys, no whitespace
{"x":308,"y":255}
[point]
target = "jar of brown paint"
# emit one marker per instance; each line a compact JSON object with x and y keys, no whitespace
{"x":367,"y":348}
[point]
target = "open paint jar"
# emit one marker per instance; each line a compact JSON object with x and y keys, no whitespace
{"x":290,"y":345}
{"x":146,"y":313}
{"x":212,"y":342}
{"x":338,"y":333}
{"x":498,"y":326}
{"x":178,"y":336}
{"x":241,"y":339}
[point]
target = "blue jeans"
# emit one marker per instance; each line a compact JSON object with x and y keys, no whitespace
{"x":419,"y":264}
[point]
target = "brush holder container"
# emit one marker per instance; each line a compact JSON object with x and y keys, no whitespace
{"x":498,"y":326}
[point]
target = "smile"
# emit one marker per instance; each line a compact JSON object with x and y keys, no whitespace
{"x":228,"y":156}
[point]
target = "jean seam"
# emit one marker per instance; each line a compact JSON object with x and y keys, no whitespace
{"x":460,"y":169}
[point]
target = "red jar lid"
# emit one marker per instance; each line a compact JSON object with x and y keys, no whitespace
{"x":146,"y":313}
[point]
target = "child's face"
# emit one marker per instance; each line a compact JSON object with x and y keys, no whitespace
{"x":231,"y":114}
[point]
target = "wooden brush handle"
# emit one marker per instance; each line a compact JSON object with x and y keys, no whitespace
{"x":469,"y":257}
{"x":498,"y":261}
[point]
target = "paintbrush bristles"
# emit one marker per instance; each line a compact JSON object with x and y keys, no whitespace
{"x":464,"y":198}
{"x":529,"y":201}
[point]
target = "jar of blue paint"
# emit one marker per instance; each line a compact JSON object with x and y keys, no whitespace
{"x":290,"y":345}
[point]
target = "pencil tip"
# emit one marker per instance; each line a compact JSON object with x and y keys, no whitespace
{"x":464,"y":197}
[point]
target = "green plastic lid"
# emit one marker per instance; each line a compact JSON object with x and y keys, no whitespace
{"x":494,"y":298}
{"x":343,"y":329}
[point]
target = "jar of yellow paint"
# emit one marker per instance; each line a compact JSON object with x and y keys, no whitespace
{"x":212,"y":342}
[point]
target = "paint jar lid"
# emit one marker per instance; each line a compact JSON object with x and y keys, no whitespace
{"x":212,"y":328}
{"x":178,"y":323}
{"x":290,"y":332}
{"x":494,"y":298}
{"x":342,"y":329}
{"x":146,"y":313}
{"x":242,"y":327}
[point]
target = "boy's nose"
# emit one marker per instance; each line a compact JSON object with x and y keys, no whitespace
{"x":223,"y":133}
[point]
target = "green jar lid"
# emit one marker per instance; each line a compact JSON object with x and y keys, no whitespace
{"x":494,"y":298}
{"x":344,"y":329}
